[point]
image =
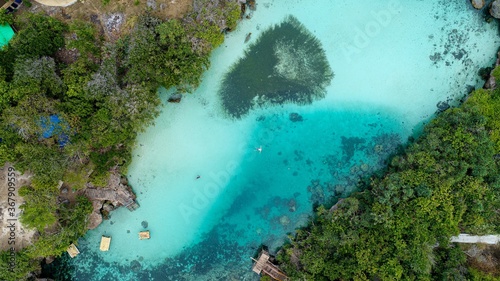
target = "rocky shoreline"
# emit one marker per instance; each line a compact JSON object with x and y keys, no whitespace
{"x":491,"y":82}
{"x":494,"y":7}
{"x":116,"y":194}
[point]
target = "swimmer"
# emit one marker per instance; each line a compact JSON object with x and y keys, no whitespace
{"x":198,"y":176}
{"x":259,"y":149}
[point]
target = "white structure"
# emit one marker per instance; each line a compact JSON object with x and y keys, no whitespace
{"x":466,"y":238}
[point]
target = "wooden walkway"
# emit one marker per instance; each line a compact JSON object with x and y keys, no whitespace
{"x":263,"y":266}
{"x":486,"y":239}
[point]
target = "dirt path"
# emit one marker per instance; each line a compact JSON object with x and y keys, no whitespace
{"x":12,"y":233}
{"x":486,"y":239}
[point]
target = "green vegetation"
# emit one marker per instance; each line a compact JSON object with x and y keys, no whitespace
{"x":445,"y":183}
{"x":285,"y":64}
{"x":102,"y":95}
{"x":6,"y":18}
{"x":398,"y":227}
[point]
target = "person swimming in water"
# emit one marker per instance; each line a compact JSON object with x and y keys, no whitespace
{"x":259,"y":149}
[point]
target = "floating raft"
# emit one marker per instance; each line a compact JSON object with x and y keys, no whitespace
{"x":263,"y":265}
{"x":72,"y":250}
{"x":105,"y":242}
{"x":143,"y":235}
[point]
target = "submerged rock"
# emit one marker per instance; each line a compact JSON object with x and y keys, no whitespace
{"x":339,"y":189}
{"x":295,"y":117}
{"x":251,"y":5}
{"x":478,"y":4}
{"x":495,"y":9}
{"x":284,"y":220}
{"x":442,"y":106}
{"x":378,"y":148}
{"x":135,"y":266}
{"x":175,"y":98}
{"x":350,"y":145}
{"x":292,"y":205}
{"x":364,"y":167}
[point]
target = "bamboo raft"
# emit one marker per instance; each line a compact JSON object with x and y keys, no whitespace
{"x":105,"y":242}
{"x":73,"y":250}
{"x":144,"y":235}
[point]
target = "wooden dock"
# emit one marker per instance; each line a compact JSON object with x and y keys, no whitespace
{"x":73,"y":250}
{"x":263,"y":265}
{"x":105,"y":242}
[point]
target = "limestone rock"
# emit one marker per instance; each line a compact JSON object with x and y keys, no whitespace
{"x":108,"y":207}
{"x":495,"y":9}
{"x":49,"y":259}
{"x":95,"y":219}
{"x":175,"y":98}
{"x":105,"y":199}
{"x":491,"y":83}
{"x":442,"y":106}
{"x":478,"y":4}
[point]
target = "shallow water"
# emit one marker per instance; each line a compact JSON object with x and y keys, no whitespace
{"x":393,"y":62}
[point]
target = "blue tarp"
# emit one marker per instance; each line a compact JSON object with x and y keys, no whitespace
{"x":54,"y":127}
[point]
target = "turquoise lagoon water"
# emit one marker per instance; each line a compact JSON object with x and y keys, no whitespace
{"x":393,"y":62}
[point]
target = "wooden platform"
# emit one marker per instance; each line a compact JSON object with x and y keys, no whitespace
{"x":143,"y":235}
{"x":262,"y":265}
{"x":105,"y":242}
{"x":72,"y":250}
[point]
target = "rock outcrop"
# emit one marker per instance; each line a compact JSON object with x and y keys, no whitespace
{"x":495,"y":9}
{"x":95,"y":219}
{"x":478,"y":4}
{"x":491,"y":83}
{"x":175,"y":98}
{"x":117,"y":193}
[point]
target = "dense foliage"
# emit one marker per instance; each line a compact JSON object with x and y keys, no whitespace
{"x":399,"y":226}
{"x":71,"y":105}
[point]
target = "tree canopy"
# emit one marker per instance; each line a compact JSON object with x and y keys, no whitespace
{"x":71,"y":105}
{"x":399,"y":225}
